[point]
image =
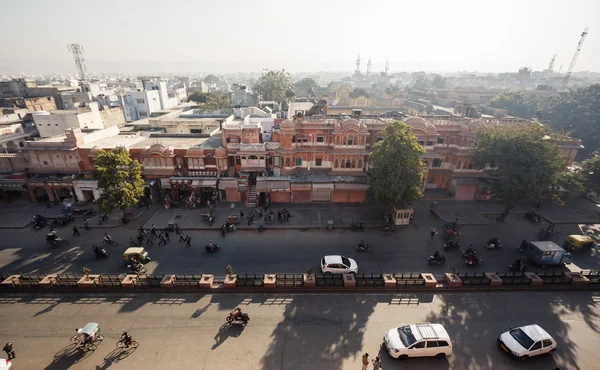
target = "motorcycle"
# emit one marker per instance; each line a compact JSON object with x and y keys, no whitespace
{"x":472,"y":257}
{"x":100,"y":253}
{"x":523,"y":245}
{"x":363,"y":247}
{"x":39,"y":222}
{"x":389,"y":228}
{"x":137,"y":268}
{"x":107,"y":241}
{"x":548,"y":233}
{"x":211,"y":220}
{"x":493,"y":243}
{"x":231,"y":227}
{"x":519,"y":266}
{"x":437,"y":259}
{"x":451,"y":244}
{"x":533,"y":217}
{"x":357,"y":226}
{"x":212,"y":248}
{"x":242,"y":318}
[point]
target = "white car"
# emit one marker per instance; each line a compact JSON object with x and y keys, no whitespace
{"x":5,"y":364}
{"x":338,"y":265}
{"x":418,"y":340}
{"x":527,"y":341}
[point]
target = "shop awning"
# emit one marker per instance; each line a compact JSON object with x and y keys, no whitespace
{"x":302,"y":186}
{"x":165,"y":183}
{"x":204,"y":183}
{"x":323,"y":186}
{"x":350,"y":186}
{"x":12,"y":187}
{"x":228,"y":183}
{"x":261,"y":186}
{"x":278,"y":185}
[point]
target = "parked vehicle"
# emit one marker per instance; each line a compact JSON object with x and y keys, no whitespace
{"x":546,"y":253}
{"x":338,"y":265}
{"x":39,"y":222}
{"x":527,"y":341}
{"x":533,"y":217}
{"x":576,"y":243}
{"x":418,"y":340}
{"x":63,"y":220}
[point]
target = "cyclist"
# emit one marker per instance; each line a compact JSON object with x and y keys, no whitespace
{"x":126,"y":338}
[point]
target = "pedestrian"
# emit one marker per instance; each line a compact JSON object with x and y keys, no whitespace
{"x":433,"y":232}
{"x":132,"y":243}
{"x":177,"y":231}
{"x":365,"y":361}
{"x":241,"y":214}
{"x":223,"y":228}
{"x":279,"y":216}
{"x":377,"y":363}
{"x":161,"y":239}
{"x":140,"y":238}
{"x":76,"y":231}
{"x":10,"y":351}
{"x":153,"y":231}
{"x":167,"y":238}
{"x":86,"y":224}
{"x":149,"y":239}
{"x":181,"y":237}
{"x":188,"y":240}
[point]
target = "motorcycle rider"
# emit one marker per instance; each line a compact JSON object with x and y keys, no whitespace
{"x":452,"y":243}
{"x":518,"y":265}
{"x":471,"y":250}
{"x":523,"y":245}
{"x":126,"y":338}
{"x":107,"y":238}
{"x":237,"y":313}
{"x":437,"y":256}
{"x":211,"y":245}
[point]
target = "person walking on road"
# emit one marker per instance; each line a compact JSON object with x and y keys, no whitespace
{"x":365,"y":361}
{"x":153,"y":231}
{"x":76,"y":231}
{"x":377,"y":363}
{"x":10,"y":350}
{"x":86,"y":224}
{"x":432,"y":233}
{"x":149,"y":239}
{"x":181,"y":237}
{"x":177,"y":231}
{"x":167,"y":238}
{"x":140,"y":238}
{"x":188,"y":240}
{"x":223,"y":229}
{"x":161,"y":239}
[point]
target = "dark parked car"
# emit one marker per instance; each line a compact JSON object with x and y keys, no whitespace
{"x":534,"y":217}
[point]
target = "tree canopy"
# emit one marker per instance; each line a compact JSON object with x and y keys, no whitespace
{"x":396,"y":170}
{"x":356,"y":93}
{"x":211,"y":101}
{"x":272,"y":85}
{"x":119,"y":178}
{"x":525,"y":161}
{"x":439,"y":82}
{"x":517,"y":104}
{"x":306,"y":83}
{"x":590,"y":171}
{"x":420,"y":81}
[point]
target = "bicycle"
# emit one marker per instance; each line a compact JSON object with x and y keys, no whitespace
{"x":121,"y":343}
{"x":90,"y":346}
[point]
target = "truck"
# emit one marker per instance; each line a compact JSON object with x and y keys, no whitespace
{"x":547,"y":253}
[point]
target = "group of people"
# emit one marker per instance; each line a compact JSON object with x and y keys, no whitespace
{"x":366,"y":362}
{"x":86,"y":225}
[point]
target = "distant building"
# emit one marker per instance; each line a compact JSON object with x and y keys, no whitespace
{"x":56,"y":122}
{"x":31,"y":104}
{"x":29,"y":89}
{"x":141,"y":104}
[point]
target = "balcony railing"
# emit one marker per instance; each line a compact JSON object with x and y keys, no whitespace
{"x":272,"y":145}
{"x":233,"y":145}
{"x":252,"y":147}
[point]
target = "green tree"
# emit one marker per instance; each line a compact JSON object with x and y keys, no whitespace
{"x":525,"y":162}
{"x":119,"y":178}
{"x":272,"y":85}
{"x":211,"y":78}
{"x":356,"y":93}
{"x":439,"y":82}
{"x":396,"y":170}
{"x":306,"y":83}
{"x":211,"y":101}
{"x":516,"y":103}
{"x":578,"y":113}
{"x":420,"y":81}
{"x":590,"y":170}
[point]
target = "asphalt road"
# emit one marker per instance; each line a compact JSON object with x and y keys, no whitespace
{"x":289,"y":332}
{"x":279,"y":251}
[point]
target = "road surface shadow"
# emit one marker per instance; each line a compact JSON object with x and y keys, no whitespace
{"x":68,"y":356}
{"x":227,"y":331}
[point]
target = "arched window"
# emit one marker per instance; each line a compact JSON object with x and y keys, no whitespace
{"x":353,"y":163}
{"x":458,"y":164}
{"x":163,"y":162}
{"x":336,"y":164}
{"x":287,"y":162}
{"x":360,"y":164}
{"x":345,"y":140}
{"x":348,"y":163}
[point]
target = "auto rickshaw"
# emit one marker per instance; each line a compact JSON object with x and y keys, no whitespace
{"x":87,"y":335}
{"x":137,"y":253}
{"x":53,"y":240}
{"x":576,"y":243}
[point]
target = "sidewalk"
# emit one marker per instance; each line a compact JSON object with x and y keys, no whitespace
{"x":304,"y":216}
{"x":18,"y":215}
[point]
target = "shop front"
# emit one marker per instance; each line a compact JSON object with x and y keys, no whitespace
{"x":12,"y":189}
{"x":228,"y":189}
{"x":50,"y":190}
{"x":349,"y":193}
{"x":86,"y":190}
{"x":205,"y":190}
{"x":279,"y":191}
{"x":321,"y":192}
{"x":301,"y":192}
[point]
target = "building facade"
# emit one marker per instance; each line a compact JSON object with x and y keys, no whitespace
{"x":54,"y":123}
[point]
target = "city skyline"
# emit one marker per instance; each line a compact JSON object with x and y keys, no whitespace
{"x":202,"y":37}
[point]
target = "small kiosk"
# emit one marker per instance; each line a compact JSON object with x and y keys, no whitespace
{"x":401,"y":214}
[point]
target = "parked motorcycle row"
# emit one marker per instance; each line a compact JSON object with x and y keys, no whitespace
{"x":39,"y":221}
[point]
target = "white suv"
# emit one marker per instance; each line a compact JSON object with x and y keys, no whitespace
{"x":527,"y":341}
{"x":418,"y":340}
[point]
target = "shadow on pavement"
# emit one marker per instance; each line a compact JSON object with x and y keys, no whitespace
{"x":67,"y":357}
{"x":227,"y":331}
{"x":200,"y":311}
{"x":387,"y":362}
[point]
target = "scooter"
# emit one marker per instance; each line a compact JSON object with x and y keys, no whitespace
{"x":363,"y":247}
{"x":357,"y":226}
{"x":493,"y":243}
{"x":231,"y":227}
{"x":451,"y":244}
{"x":212,"y":248}
{"x":100,"y":253}
{"x":519,"y":265}
{"x":437,"y":260}
{"x":389,"y":228}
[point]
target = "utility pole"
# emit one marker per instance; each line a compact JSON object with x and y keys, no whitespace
{"x":572,"y":65}
{"x":77,"y":51}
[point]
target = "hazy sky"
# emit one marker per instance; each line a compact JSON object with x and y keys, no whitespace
{"x":195,"y":36}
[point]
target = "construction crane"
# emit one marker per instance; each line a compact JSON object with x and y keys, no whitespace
{"x":572,"y":65}
{"x":551,"y":66}
{"x":77,"y":51}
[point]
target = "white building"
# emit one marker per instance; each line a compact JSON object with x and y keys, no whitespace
{"x":141,"y":104}
{"x":56,"y":122}
{"x":87,"y":93}
{"x":167,"y":99}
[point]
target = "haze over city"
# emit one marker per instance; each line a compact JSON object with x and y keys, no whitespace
{"x":247,"y":36}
